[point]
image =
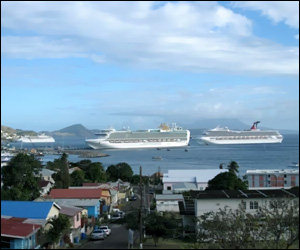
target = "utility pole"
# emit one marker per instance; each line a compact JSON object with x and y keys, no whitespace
{"x":141,"y":210}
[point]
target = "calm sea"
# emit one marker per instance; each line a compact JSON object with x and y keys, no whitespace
{"x":198,"y":156}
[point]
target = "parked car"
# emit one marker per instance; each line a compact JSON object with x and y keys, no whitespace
{"x":106,"y":230}
{"x":116,"y":216}
{"x":98,"y":234}
{"x":132,"y":198}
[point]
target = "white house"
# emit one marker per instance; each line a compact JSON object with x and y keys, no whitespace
{"x":168,"y":202}
{"x":189,"y":179}
{"x":202,"y":202}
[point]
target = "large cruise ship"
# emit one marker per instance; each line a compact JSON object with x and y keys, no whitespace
{"x":41,"y":138}
{"x":163,"y":137}
{"x":220,"y":135}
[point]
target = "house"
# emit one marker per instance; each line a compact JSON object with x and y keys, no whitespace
{"x":74,"y":214}
{"x":168,"y":202}
{"x":17,"y":234}
{"x":271,"y":179}
{"x":94,"y":195}
{"x":30,"y":212}
{"x":202,"y":202}
{"x":30,"y":209}
{"x":45,"y":186}
{"x":91,"y":206}
{"x":46,"y":175}
{"x":189,"y":179}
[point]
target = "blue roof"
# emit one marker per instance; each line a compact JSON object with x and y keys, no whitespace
{"x":26,"y":209}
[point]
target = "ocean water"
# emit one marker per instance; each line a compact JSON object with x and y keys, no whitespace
{"x":198,"y":156}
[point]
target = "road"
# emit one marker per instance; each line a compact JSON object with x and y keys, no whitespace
{"x":117,"y":240}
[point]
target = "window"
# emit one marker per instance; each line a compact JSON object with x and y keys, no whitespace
{"x":77,"y":217}
{"x":168,"y":188}
{"x":253,"y":205}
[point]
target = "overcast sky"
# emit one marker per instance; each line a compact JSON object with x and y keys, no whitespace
{"x":138,"y":64}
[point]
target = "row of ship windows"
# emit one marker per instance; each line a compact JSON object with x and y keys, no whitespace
{"x":136,"y":141}
{"x":241,"y":138}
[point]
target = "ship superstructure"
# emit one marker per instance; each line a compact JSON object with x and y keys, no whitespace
{"x":163,"y":137}
{"x":223,"y":135}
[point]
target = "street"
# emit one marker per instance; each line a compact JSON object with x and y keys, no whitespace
{"x":117,"y":240}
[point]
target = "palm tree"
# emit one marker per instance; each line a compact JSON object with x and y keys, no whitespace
{"x":233,"y":167}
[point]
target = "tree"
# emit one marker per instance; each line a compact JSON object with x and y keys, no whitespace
{"x":77,"y":178}
{"x":60,"y":227}
{"x":226,"y":229}
{"x":61,"y":166}
{"x":160,"y":226}
{"x":20,"y":181}
{"x":280,"y":225}
{"x":120,"y":171}
{"x":227,"y":180}
{"x":96,"y":173}
{"x":233,"y":167}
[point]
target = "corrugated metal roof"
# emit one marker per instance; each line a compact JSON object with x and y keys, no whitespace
{"x":77,"y":202}
{"x":192,"y":175}
{"x":77,"y":193}
{"x":15,"y":227}
{"x":69,"y":210}
{"x":246,"y":194}
{"x":26,"y":209}
{"x":169,"y":197}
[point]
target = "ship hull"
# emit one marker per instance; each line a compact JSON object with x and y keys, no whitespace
{"x":102,"y":144}
{"x":245,"y":141}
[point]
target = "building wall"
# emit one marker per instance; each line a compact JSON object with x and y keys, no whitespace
{"x":162,"y":206}
{"x":54,"y":212}
{"x":106,"y":193}
{"x":25,"y":243}
{"x":203,"y":206}
{"x":272,"y":180}
{"x":76,"y":220}
{"x":93,"y":210}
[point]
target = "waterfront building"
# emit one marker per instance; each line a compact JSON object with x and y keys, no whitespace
{"x":272,"y":179}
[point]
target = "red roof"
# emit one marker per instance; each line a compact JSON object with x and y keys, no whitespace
{"x":14,"y":227}
{"x":95,"y":193}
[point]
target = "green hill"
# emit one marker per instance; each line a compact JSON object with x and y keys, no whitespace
{"x":74,"y":130}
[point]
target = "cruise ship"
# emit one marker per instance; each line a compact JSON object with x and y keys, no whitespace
{"x":163,"y":137}
{"x":41,"y":138}
{"x":223,"y":135}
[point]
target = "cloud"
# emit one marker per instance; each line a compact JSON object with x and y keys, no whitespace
{"x":185,"y":36}
{"x":277,"y":11}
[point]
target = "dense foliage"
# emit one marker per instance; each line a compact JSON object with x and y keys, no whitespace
{"x":62,"y":176}
{"x":227,"y":180}
{"x":20,"y":178}
{"x":161,"y":225}
{"x":120,"y":171}
{"x":60,"y":227}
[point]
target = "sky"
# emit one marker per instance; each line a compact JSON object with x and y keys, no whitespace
{"x":138,"y":64}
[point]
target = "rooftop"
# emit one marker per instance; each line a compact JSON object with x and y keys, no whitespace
{"x":95,"y":193}
{"x":16,"y":228}
{"x":246,"y":194}
{"x":27,"y":209}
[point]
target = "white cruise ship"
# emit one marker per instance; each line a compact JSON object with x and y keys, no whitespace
{"x":220,"y":135}
{"x":41,"y":138}
{"x":163,"y":137}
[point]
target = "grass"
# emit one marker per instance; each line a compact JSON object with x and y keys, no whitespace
{"x":163,"y":244}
